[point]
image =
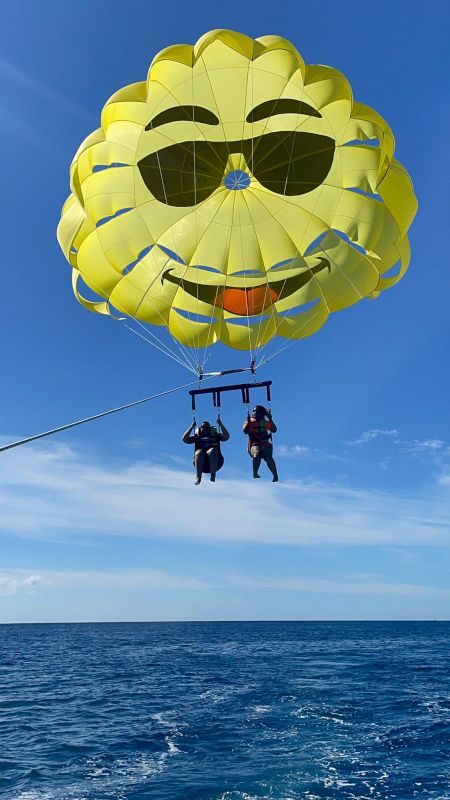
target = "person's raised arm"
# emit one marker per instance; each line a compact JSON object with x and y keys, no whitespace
{"x":245,"y":427}
{"x":187,"y":438}
{"x":223,"y":434}
{"x":272,"y":426}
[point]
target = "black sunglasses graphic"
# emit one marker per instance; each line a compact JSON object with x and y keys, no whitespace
{"x":286,"y":162}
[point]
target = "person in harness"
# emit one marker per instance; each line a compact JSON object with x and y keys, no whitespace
{"x":207,"y":454}
{"x":259,"y":428}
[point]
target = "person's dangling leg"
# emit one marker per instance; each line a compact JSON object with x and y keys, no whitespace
{"x":199,"y":460}
{"x":213,"y":454}
{"x":255,"y":452}
{"x":270,"y":461}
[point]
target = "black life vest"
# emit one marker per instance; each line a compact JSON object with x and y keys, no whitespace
{"x":205,"y":443}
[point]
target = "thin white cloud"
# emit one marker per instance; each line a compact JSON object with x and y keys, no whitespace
{"x":375,"y":433}
{"x":50,"y":491}
{"x":435,"y":448}
{"x":307,"y":453}
{"x":15,"y":581}
{"x":430,"y":446}
{"x":11,"y":584}
{"x":357,"y":583}
{"x":403,"y":555}
{"x":296,"y":449}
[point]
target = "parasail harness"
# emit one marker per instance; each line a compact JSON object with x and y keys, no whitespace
{"x":259,"y":432}
{"x":206,"y":442}
{"x":216,"y":392}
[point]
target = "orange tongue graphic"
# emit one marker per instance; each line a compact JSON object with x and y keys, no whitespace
{"x":246,"y":302}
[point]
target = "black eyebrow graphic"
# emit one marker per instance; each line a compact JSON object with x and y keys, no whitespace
{"x":281,"y":106}
{"x":191,"y":113}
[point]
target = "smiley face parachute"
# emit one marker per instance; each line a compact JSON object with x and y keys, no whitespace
{"x":236,"y":195}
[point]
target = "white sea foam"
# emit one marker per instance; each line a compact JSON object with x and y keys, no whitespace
{"x":336,"y":783}
{"x":221,"y":695}
{"x":163,"y":718}
{"x":336,"y":720}
{"x":172,"y":746}
{"x":115,"y":777}
{"x":166,"y":719}
{"x":34,"y":794}
{"x":44,"y":794}
{"x":307,"y":713}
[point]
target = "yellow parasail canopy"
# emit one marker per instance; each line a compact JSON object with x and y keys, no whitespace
{"x":236,"y":195}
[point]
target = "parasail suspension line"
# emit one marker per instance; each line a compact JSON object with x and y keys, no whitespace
{"x":166,"y":352}
{"x":95,"y":416}
{"x":162,"y":346}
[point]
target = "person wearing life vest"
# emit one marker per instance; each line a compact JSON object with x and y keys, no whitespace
{"x":206,"y":440}
{"x":259,"y":428}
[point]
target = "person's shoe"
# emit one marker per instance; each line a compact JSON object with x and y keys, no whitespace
{"x":256,"y":476}
{"x":213,"y":478}
{"x":197,"y":481}
{"x":275,"y":479}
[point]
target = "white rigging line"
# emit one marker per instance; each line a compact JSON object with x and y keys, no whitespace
{"x":146,"y":293}
{"x":122,"y":310}
{"x":239,"y":202}
{"x":273,"y":310}
{"x":226,"y":250}
{"x":175,"y":250}
{"x":195,"y":212}
{"x":170,"y":355}
{"x":258,"y":332}
{"x":207,"y":355}
{"x":290,"y":340}
{"x":183,"y":351}
{"x":282,"y":317}
{"x":166,"y":349}
{"x":191,"y":347}
{"x":185,"y":355}
{"x":219,"y":287}
{"x":96,"y":416}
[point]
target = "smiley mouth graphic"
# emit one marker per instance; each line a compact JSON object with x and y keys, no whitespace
{"x":237,"y":297}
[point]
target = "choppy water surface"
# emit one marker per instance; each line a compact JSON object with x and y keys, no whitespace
{"x":225,"y":711}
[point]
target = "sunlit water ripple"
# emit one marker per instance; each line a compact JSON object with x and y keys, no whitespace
{"x":225,"y":711}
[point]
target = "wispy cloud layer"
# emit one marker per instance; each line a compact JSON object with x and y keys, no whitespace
{"x":17,"y":582}
{"x":51,"y":491}
{"x":376,"y":433}
{"x":308,"y":453}
{"x":431,"y":447}
{"x":22,"y":582}
{"x":387,"y":440}
{"x":356,"y":583}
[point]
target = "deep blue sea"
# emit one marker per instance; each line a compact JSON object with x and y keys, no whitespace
{"x":225,"y":711}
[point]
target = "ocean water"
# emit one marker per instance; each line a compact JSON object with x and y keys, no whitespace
{"x":225,"y":711}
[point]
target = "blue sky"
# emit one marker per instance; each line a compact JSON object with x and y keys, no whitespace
{"x":103,"y":522}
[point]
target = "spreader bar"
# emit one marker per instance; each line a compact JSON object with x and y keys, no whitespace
{"x":244,"y":388}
